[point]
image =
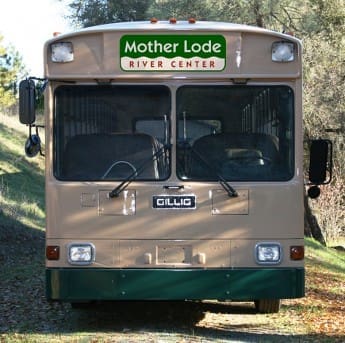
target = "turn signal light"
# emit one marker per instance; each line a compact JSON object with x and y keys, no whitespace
{"x":297,"y":252}
{"x":53,"y":252}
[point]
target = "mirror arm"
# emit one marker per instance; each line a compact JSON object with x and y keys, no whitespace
{"x":37,"y":127}
{"x":43,"y":86}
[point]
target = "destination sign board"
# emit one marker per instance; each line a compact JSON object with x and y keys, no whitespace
{"x":172,"y":52}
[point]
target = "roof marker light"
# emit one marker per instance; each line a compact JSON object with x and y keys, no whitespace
{"x":191,"y":21}
{"x":172,"y":21}
{"x":153,"y":20}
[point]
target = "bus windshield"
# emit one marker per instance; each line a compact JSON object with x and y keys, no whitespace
{"x":236,"y":133}
{"x":242,"y":133}
{"x":112,"y":132}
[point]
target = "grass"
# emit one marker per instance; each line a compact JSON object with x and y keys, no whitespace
{"x":21,"y":181}
{"x":327,"y":257}
{"x":26,"y":316}
{"x":322,"y":309}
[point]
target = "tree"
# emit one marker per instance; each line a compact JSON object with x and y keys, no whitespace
{"x":180,"y":9}
{"x":324,"y":58}
{"x":282,"y":15}
{"x":87,"y":13}
{"x":11,"y":68}
{"x":324,"y":102}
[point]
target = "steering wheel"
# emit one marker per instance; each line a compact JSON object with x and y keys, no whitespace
{"x":117,"y":163}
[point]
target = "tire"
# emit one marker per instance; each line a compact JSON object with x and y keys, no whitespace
{"x":267,"y":305}
{"x":81,"y":305}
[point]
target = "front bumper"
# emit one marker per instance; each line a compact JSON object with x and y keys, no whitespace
{"x":87,"y":284}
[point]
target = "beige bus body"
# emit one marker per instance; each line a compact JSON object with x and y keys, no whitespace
{"x":220,"y":231}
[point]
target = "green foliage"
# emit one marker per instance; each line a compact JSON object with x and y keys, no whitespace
{"x":327,"y":16}
{"x":324,"y":96}
{"x":180,"y":9}
{"x":282,"y":15}
{"x":96,"y":12}
{"x":324,"y":102}
{"x":21,"y":182}
{"x":330,"y":258}
{"x":11,"y":67}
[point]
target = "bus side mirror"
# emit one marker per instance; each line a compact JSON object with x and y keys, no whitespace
{"x":27,"y":96}
{"x":32,"y":145}
{"x":320,"y":165}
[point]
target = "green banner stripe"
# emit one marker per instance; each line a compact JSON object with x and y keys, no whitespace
{"x":170,"y":46}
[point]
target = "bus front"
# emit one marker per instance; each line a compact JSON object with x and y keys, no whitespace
{"x":174,"y":164}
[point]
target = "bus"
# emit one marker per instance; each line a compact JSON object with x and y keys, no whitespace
{"x":174,"y":163}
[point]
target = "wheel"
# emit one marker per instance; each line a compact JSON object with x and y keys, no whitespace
{"x":267,"y":305}
{"x":81,"y":305}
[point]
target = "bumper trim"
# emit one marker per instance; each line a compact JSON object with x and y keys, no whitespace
{"x":86,"y":284}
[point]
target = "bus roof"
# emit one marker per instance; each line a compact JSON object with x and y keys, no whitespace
{"x":167,"y":49}
{"x":148,"y":26}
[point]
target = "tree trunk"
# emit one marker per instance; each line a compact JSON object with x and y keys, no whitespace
{"x":259,"y":18}
{"x":311,"y":226}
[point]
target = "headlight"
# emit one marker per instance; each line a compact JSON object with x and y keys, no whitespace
{"x":268,"y":253}
{"x":81,"y":253}
{"x":283,"y":52}
{"x":62,"y":52}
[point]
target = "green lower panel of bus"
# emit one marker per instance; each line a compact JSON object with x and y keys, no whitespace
{"x":178,"y":284}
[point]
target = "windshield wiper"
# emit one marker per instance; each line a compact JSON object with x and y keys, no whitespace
{"x":125,"y":183}
{"x":226,"y":186}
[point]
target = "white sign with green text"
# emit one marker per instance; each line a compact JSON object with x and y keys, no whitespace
{"x":172,"y":53}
